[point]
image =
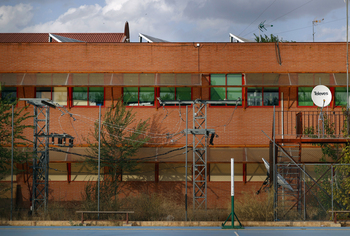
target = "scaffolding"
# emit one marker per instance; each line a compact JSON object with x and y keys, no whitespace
{"x":293,"y":130}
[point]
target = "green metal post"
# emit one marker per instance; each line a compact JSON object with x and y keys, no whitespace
{"x":232,"y":214}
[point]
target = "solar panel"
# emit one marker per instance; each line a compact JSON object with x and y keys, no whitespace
{"x":62,"y":39}
{"x":151,"y":39}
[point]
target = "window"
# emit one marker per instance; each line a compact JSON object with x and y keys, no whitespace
{"x":144,"y":172}
{"x":258,"y":96}
{"x":84,"y":96}
{"x":340,"y":96}
{"x":304,"y":96}
{"x":175,"y":94}
{"x":222,"y":172}
{"x":9,"y":94}
{"x":225,"y":93}
{"x":56,"y":94}
{"x":138,"y":96}
{"x":174,"y":172}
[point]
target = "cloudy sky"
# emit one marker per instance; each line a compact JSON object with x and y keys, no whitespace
{"x":180,"y":20}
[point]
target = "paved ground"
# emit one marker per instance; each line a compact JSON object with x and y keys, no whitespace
{"x":168,"y":231}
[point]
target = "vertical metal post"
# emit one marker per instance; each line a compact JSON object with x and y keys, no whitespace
{"x":304,"y":193}
{"x":35,"y":156}
{"x":186,"y":163}
{"x":332,"y":186}
{"x":282,"y":118}
{"x":47,"y":159}
{"x":206,"y":160}
{"x":99,"y":161}
{"x":232,"y":192}
{"x":274,"y":168}
{"x":11,"y":165}
{"x":347,"y":55}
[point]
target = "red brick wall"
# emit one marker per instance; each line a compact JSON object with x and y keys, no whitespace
{"x":172,"y":57}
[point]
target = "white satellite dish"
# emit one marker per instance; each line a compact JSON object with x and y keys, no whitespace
{"x":280,"y":180}
{"x":321,"y":96}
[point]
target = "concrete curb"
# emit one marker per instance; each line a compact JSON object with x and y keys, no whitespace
{"x":174,"y":223}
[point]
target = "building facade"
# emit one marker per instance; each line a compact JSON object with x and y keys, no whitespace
{"x":82,"y":76}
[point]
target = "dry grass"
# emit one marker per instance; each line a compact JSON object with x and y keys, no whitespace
{"x":156,"y":207}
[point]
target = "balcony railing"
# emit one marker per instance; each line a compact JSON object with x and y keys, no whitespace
{"x":311,"y":124}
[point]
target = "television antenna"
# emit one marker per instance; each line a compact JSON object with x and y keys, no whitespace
{"x":262,"y":26}
{"x":315,"y":22}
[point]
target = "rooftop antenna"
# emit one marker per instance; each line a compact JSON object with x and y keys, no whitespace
{"x":262,"y":26}
{"x":315,"y":22}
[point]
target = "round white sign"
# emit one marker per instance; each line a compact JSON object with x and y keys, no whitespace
{"x":321,"y":96}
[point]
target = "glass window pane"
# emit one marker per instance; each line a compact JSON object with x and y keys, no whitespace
{"x":271,"y":96}
{"x":183,"y":94}
{"x":167,"y":94}
{"x":96,"y":96}
{"x":234,"y":94}
{"x":9,"y":94}
{"x":340,"y":96}
{"x":80,"y":96}
{"x":146,"y":96}
{"x":60,"y":95}
{"x":254,"y":96}
{"x":304,"y":96}
{"x":217,"y":79}
{"x":130,"y":96}
{"x":43,"y":92}
{"x":217,"y":93}
{"x":234,"y":79}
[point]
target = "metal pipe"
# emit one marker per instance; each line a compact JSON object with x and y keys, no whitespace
{"x":99,"y":161}
{"x":332,"y":187}
{"x":347,"y":55}
{"x":282,"y":115}
{"x":274,"y":169}
{"x":11,"y":165}
{"x":186,"y":163}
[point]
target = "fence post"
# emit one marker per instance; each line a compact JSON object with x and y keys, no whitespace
{"x":299,"y":124}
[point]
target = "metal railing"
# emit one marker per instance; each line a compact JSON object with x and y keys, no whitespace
{"x":311,"y":124}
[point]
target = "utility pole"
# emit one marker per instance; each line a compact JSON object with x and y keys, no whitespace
{"x":40,"y":188}
{"x":315,"y":22}
{"x":200,"y":134}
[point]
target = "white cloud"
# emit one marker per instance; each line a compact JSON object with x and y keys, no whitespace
{"x":332,"y":34}
{"x":13,"y":18}
{"x":172,"y":20}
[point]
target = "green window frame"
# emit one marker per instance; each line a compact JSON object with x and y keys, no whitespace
{"x":88,"y":96}
{"x":262,"y":96}
{"x":304,"y":96}
{"x":340,"y":96}
{"x":9,"y":94}
{"x":138,"y":96}
{"x":221,"y":92}
{"x":175,"y":93}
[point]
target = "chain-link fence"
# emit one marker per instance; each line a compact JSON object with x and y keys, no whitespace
{"x":311,"y":191}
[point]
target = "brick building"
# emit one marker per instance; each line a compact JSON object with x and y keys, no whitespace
{"x":83,"y":75}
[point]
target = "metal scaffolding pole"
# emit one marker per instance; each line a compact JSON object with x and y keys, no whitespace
{"x":200,"y":134}
{"x":40,"y":188}
{"x":200,"y":141}
{"x":41,"y":159}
